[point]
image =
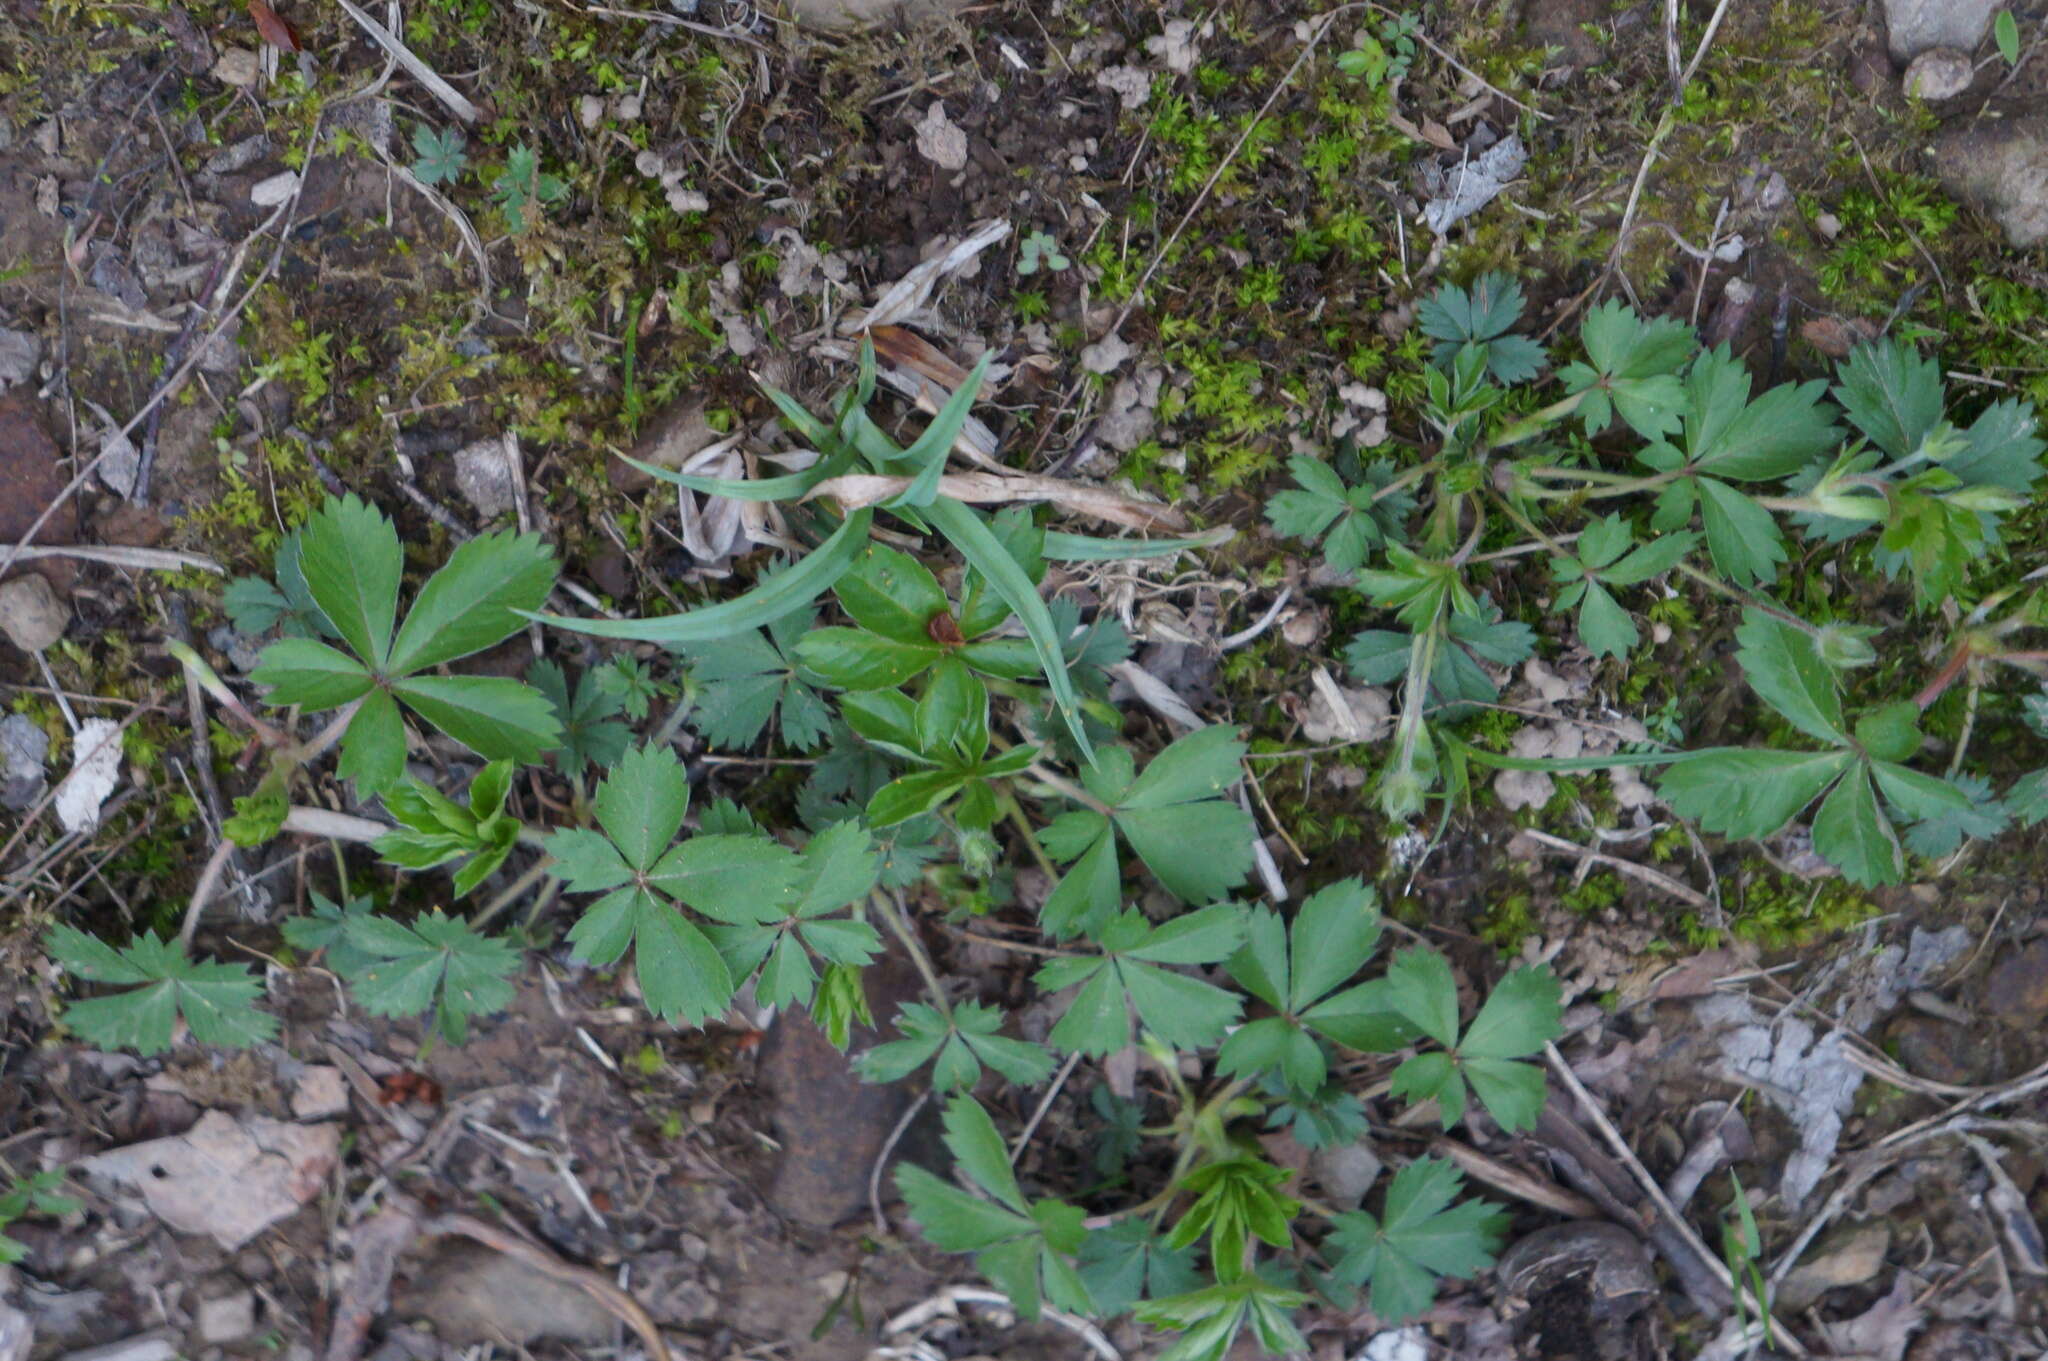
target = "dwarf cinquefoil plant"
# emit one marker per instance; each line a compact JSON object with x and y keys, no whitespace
{"x":1717,"y":486}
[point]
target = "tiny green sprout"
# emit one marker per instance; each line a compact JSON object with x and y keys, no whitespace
{"x":2006,"y":30}
{"x":441,"y":155}
{"x":1040,"y":251}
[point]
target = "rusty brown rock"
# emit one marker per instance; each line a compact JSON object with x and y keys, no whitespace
{"x":830,"y":1124}
{"x":2017,"y":990}
{"x":1939,"y":1050}
{"x":30,"y":477}
{"x":678,"y":432}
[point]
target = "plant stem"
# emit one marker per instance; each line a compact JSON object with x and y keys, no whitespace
{"x":1062,"y":785}
{"x":1743,"y":597}
{"x":512,"y":893}
{"x":891,"y":910}
{"x":1015,"y":812}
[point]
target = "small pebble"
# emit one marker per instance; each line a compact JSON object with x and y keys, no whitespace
{"x":1940,"y":74}
{"x":238,"y":66}
{"x":31,"y":615}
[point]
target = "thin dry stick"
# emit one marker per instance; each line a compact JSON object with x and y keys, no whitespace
{"x":882,"y":1161}
{"x":1044,"y":1104}
{"x":1655,"y":1191}
{"x":1655,"y":878}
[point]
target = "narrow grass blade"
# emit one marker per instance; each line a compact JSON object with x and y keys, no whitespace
{"x":786,"y":592}
{"x":986,"y":555}
{"x":928,"y":455}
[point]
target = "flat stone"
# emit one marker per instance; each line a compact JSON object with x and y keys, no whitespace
{"x":2001,"y":168}
{"x":1346,"y":1171}
{"x":667,"y":442}
{"x":31,"y":615}
{"x":30,"y":476}
{"x":1914,"y":26}
{"x":848,"y":14}
{"x":24,"y":750}
{"x":142,"y":1347}
{"x":20,"y":352}
{"x":2017,"y":990}
{"x":321,"y":1093}
{"x":17,"y":1332}
{"x":473,"y":1295}
{"x":228,"y":1318}
{"x":1562,"y":25}
{"x":1846,"y":1258}
{"x":1939,"y":1050}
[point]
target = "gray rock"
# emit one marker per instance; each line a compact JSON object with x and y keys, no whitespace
{"x":17,"y":1330}
{"x":1939,"y":73}
{"x":1914,"y":26}
{"x":1347,"y":1172}
{"x":483,"y":474}
{"x":20,"y":352}
{"x":2002,"y":169}
{"x":23,"y":749}
{"x":474,"y":1295}
{"x":157,"y":1346}
{"x":242,"y":651}
{"x":31,"y":615}
{"x":227,"y":1319}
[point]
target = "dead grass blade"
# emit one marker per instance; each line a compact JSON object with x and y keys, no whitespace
{"x":855,"y":490}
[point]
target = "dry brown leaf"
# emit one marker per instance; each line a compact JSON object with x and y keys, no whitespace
{"x":907,"y":349}
{"x":273,"y":29}
{"x":855,"y":490}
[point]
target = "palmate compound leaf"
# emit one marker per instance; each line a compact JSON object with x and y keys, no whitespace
{"x":217,"y":1001}
{"x":592,"y":734}
{"x":353,"y":562}
{"x":1456,"y":318}
{"x":1522,"y":1014}
{"x":1210,"y":1319}
{"x":1294,"y":970}
{"x":437,"y":963}
{"x":956,"y":1047}
{"x":738,"y":879}
{"x":1357,"y":519}
{"x":1631,"y":367}
{"x":1196,"y":843}
{"x":837,"y":868}
{"x":1419,"y":1237}
{"x":1129,"y":1261}
{"x":1590,"y":575}
{"x":1753,"y":792}
{"x":1023,"y":1248}
{"x":1184,"y":1012}
{"x":748,"y":679}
